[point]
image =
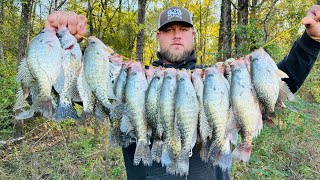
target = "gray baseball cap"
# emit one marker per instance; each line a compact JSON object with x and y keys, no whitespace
{"x":175,"y":14}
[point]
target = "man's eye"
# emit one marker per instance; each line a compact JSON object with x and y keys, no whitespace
{"x":168,"y":30}
{"x":184,"y":29}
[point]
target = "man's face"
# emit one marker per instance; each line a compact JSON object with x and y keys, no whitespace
{"x":176,"y":42}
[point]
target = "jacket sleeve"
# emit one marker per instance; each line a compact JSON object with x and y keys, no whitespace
{"x":298,"y":63}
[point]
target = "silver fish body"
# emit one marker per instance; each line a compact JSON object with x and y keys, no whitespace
{"x":217,"y":108}
{"x":186,"y":117}
{"x":44,"y":59}
{"x":71,"y":66}
{"x":246,"y":109}
{"x":171,"y":147}
{"x":96,"y":69}
{"x":135,"y":90}
{"x":152,"y":112}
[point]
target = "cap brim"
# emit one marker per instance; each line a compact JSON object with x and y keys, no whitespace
{"x":186,"y":24}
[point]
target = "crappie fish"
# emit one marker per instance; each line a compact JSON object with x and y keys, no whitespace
{"x":186,"y":117}
{"x":93,"y":81}
{"x":152,"y":112}
{"x":135,"y":91}
{"x":115,"y":69}
{"x":266,"y":78}
{"x":167,"y":118}
{"x":265,"y":81}
{"x":217,"y":108}
{"x":204,"y":127}
{"x":96,"y":69}
{"x":71,"y":66}
{"x":44,"y":58}
{"x":117,"y":112}
{"x":246,"y":109}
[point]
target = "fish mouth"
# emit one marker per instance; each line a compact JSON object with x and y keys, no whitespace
{"x":70,"y":47}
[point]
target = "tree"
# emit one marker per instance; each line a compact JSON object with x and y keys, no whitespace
{"x":25,"y":25}
{"x":242,"y":22}
{"x":224,"y":47}
{"x":140,"y":35}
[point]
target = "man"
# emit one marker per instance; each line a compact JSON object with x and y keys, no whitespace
{"x":176,"y":39}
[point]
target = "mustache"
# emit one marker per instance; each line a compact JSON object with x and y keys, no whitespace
{"x":175,"y":57}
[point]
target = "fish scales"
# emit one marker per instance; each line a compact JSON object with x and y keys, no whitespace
{"x":204,"y":127}
{"x":265,"y":81}
{"x":167,"y":114}
{"x":96,"y":69}
{"x":246,"y":109}
{"x":44,"y":58}
{"x":117,"y":112}
{"x":71,"y":65}
{"x":135,"y":90}
{"x":186,"y":117}
{"x":217,"y":108}
{"x":152,"y":112}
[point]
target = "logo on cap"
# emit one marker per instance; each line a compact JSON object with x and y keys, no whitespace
{"x":174,"y":13}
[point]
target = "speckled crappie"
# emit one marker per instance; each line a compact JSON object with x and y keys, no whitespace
{"x":171,"y":147}
{"x":135,"y":92}
{"x":186,"y":117}
{"x":216,"y":100}
{"x":93,"y":81}
{"x":246,"y":109}
{"x":67,"y":81}
{"x":43,"y":59}
{"x":266,"y":78}
{"x":152,"y":112}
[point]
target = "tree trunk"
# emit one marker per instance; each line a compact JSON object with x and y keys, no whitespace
{"x":90,"y":18}
{"x":25,"y":24}
{"x":224,"y":47}
{"x":240,"y":36}
{"x":140,"y":35}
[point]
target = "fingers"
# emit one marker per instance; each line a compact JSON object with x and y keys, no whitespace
{"x":308,"y":22}
{"x":75,"y":23}
{"x":81,"y":27}
{"x":53,"y":19}
{"x":63,"y":19}
{"x":72,"y":22}
{"x":314,"y":12}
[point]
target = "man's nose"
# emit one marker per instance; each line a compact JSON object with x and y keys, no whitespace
{"x":177,"y":33}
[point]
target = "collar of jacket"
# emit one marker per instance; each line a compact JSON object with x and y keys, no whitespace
{"x":189,"y":63}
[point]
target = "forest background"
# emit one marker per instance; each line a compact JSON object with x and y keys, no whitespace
{"x":41,"y":149}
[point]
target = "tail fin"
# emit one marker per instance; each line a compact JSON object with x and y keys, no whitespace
{"x":142,"y":153}
{"x":204,"y":151}
{"x":225,"y":161}
{"x":183,"y":164}
{"x":114,"y":137}
{"x":242,"y":152}
{"x":156,"y":150}
{"x":64,"y":111}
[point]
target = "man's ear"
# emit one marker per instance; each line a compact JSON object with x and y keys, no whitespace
{"x":158,"y":34}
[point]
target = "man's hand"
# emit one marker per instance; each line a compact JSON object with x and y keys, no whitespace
{"x":312,"y":22}
{"x":75,"y":23}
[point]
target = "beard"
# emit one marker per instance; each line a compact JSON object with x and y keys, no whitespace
{"x":176,"y":57}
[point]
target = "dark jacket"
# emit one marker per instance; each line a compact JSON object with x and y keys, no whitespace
{"x":297,"y":64}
